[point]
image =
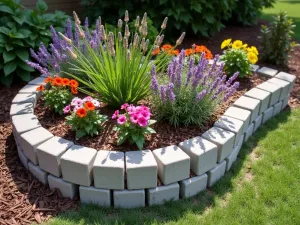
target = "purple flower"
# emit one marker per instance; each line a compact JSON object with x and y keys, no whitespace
{"x":121,"y":120}
{"x":87,"y":99}
{"x":232,"y":78}
{"x":76,"y":37}
{"x":55,"y":39}
{"x":180,"y":66}
{"x":231,"y":90}
{"x":69,"y":32}
{"x":190,"y":70}
{"x":37,"y":67}
{"x":37,"y":58}
{"x":154,"y":83}
{"x":171,"y":94}
{"x":67,"y":109}
{"x":163,"y":91}
{"x":200,"y":95}
{"x":86,"y":22}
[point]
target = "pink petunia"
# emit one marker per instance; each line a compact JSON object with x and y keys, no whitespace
{"x":67,"y":109}
{"x":88,"y":99}
{"x":142,"y":121}
{"x":96,"y":102}
{"x":76,"y":101}
{"x":115,"y":115}
{"x":134,"y":118}
{"x":145,"y":114}
{"x":124,"y":106}
{"x":121,"y":120}
{"x":131,"y":109}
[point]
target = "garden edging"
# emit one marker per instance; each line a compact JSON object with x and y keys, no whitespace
{"x":99,"y":177}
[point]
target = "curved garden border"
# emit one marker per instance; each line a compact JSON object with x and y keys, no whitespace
{"x":99,"y":177}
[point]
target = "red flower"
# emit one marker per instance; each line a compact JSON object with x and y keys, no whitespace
{"x":40,"y":88}
{"x":66,"y":82}
{"x":48,"y":79}
{"x":73,"y":83}
{"x":74,"y":90}
{"x":81,"y":112}
{"x":89,"y":106}
{"x":57,"y":81}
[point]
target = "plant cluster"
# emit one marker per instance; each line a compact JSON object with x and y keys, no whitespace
{"x":190,"y":93}
{"x":59,"y":93}
{"x":237,"y":56}
{"x":276,"y":39}
{"x":21,"y":29}
{"x":133,"y":124}
{"x":84,"y":118}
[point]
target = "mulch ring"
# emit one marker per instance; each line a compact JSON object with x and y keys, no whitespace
{"x":23,"y":199}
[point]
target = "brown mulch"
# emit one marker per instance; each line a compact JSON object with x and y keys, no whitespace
{"x":24,"y":200}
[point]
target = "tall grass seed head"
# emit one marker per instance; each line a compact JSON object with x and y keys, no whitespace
{"x":164,"y":24}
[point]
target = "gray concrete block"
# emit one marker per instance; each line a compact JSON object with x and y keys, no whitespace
{"x":285,"y":85}
{"x":29,"y":89}
{"x":109,"y":164}
{"x":101,"y":197}
{"x":285,"y":102}
{"x":249,"y":132}
{"x":250,"y":104}
{"x":216,"y":173}
{"x":21,"y":108}
{"x":192,"y":186}
{"x":22,"y":157}
{"x":41,"y":175}
{"x":129,"y":198}
{"x":277,"y":108}
{"x":25,"y":98}
{"x":254,"y":68}
{"x":274,"y":89}
{"x":263,"y":96}
{"x":203,"y":154}
{"x":37,"y":81}
{"x":267,"y":114}
{"x":240,"y":114}
{"x":267,"y":72}
{"x":233,"y":156}
{"x":287,"y":77}
{"x":223,"y":139}
{"x":257,"y":122}
{"x":67,"y":190}
{"x":159,"y":195}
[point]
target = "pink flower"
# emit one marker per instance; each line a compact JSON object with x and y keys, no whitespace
{"x":142,"y":121}
{"x":124,"y":106}
{"x":142,"y":108}
{"x":115,"y":115}
{"x":145,"y":114}
{"x":134,"y":118}
{"x":67,"y":109}
{"x":96,"y":102}
{"x":76,"y":102}
{"x":121,"y":120}
{"x":131,"y":109}
{"x":88,"y":99}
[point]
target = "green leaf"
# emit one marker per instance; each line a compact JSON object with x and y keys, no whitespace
{"x":4,"y":30}
{"x":24,"y":66}
{"x":8,"y":56}
{"x":122,"y":138}
{"x":8,"y":47}
{"x":10,"y":67}
{"x":150,"y":130}
{"x":20,"y":20}
{"x":41,"y":5}
{"x":80,"y":133}
{"x":22,"y":53}
{"x":197,"y":7}
{"x":24,"y":75}
{"x":6,"y":80}
{"x":25,"y":32}
{"x":6,"y":9}
{"x":140,"y":142}
{"x":150,"y":122}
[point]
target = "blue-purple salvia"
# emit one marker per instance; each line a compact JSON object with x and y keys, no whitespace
{"x":200,"y":95}
{"x":232,"y":78}
{"x":231,"y":90}
{"x":37,"y":67}
{"x":154,"y":83}
{"x":179,"y":68}
{"x":69,"y":32}
{"x":171,"y":94}
{"x":163,"y":94}
{"x":190,"y":70}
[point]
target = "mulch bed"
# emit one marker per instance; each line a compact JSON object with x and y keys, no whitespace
{"x":24,"y":200}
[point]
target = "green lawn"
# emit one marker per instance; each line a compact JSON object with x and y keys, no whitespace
{"x":261,"y":188}
{"x":293,"y":9}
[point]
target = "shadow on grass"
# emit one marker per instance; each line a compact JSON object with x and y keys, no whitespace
{"x":173,"y":211}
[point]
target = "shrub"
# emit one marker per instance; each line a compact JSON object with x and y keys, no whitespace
{"x":21,"y":29}
{"x":238,"y":57}
{"x":133,"y":124}
{"x":190,"y":93}
{"x":276,"y":39}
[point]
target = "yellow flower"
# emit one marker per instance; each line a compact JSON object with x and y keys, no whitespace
{"x":225,"y":43}
{"x":237,"y":44}
{"x":252,"y":57}
{"x":245,"y":46}
{"x":254,"y":50}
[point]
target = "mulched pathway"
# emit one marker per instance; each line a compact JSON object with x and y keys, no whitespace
{"x":24,"y":200}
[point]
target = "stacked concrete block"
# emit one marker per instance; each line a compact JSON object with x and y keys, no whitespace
{"x":36,"y":171}
{"x":287,"y":77}
{"x":263,"y":96}
{"x":274,"y":90}
{"x":192,"y":186}
{"x":250,"y":104}
{"x":30,"y":89}
{"x":277,"y":108}
{"x":268,"y":72}
{"x":101,"y":197}
{"x":25,"y":98}
{"x":67,"y":189}
{"x":21,"y":108}
{"x":258,"y":122}
{"x":254,"y":68}
{"x":159,"y":195}
{"x":240,"y":114}
{"x":249,"y":132}
{"x":233,"y":156}
{"x":216,"y":173}
{"x":24,"y":160}
{"x":129,"y":198}
{"x":267,"y":114}
{"x":285,"y":102}
{"x":285,"y":85}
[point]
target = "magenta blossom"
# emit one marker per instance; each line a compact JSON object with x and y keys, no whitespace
{"x":115,"y":115}
{"x":134,"y":118}
{"x":124,"y":106}
{"x":145,"y":114}
{"x":121,"y":120}
{"x":88,"y":99}
{"x":131,"y":109}
{"x":67,"y":109}
{"x":143,"y":109}
{"x":142,"y":121}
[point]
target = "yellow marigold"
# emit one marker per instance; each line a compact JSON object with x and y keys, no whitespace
{"x":252,"y":57}
{"x":254,"y":50}
{"x":237,"y":44}
{"x":245,"y":46}
{"x":225,"y":43}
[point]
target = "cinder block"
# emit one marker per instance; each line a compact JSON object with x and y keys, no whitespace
{"x":233,"y":156}
{"x":223,"y":139}
{"x":141,"y":169}
{"x":287,"y":77}
{"x":21,"y":108}
{"x":249,"y":132}
{"x":67,"y":190}
{"x":285,"y":86}
{"x":277,"y":108}
{"x":37,"y":81}
{"x":22,"y":157}
{"x":109,"y":164}
{"x":41,"y":175}
{"x":267,"y":114}
{"x":240,"y":114}
{"x":254,"y":68}
{"x":203,"y":154}
{"x":93,"y":195}
{"x":267,"y":72}
{"x":257,"y":122}
{"x":231,"y":124}
{"x":77,"y":165}
{"x":192,"y":186}
{"x":250,"y":104}
{"x":173,"y":164}
{"x":159,"y":195}
{"x":31,"y":139}
{"x":25,"y":98}
{"x":285,"y":102}
{"x":29,"y":89}
{"x":49,"y":154}
{"x":216,"y":173}
{"x":263,"y":96}
{"x":274,"y":89}
{"x":129,"y":198}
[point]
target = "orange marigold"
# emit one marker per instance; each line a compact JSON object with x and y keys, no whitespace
{"x":40,"y":88}
{"x":166,"y":47}
{"x":89,"y":106}
{"x":73,"y":83}
{"x":188,"y":51}
{"x":156,"y":52}
{"x":81,"y":112}
{"x":66,"y":81}
{"x":74,"y":90}
{"x":48,"y":79}
{"x":57,"y":81}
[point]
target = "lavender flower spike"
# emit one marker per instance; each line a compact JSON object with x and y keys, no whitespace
{"x":37,"y":67}
{"x":180,"y":66}
{"x":171,"y":94}
{"x":232,"y":78}
{"x":154,"y":83}
{"x":69,"y":29}
{"x":231,"y":90}
{"x":200,"y":95}
{"x":163,"y":91}
{"x":190,"y":70}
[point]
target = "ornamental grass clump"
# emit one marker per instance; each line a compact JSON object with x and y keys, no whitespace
{"x":85,"y":119}
{"x":133,"y":124}
{"x":237,"y":56}
{"x":190,"y":93}
{"x":60,"y":92}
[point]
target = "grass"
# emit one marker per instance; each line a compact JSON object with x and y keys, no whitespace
{"x":293,"y":9}
{"x":262,"y":187}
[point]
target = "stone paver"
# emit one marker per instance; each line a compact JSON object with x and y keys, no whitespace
{"x":267,"y":114}
{"x":25,"y":98}
{"x":49,"y":154}
{"x":192,"y":186}
{"x":277,"y":108}
{"x":257,"y":122}
{"x":250,"y":104}
{"x":223,"y":139}
{"x":254,"y":68}
{"x":29,"y":89}
{"x":67,"y":189}
{"x":267,"y":72}
{"x":37,"y":81}
{"x":240,"y":114}
{"x":287,"y":77}
{"x":274,"y":89}
{"x":109,"y":164}
{"x":31,"y":139}
{"x":203,"y":154}
{"x":24,"y":160}
{"x":77,"y":164}
{"x":263,"y":96}
{"x":129,"y":198}
{"x":141,"y":169}
{"x":101,"y":197}
{"x":233,"y":156}
{"x":285,"y":102}
{"x":21,"y":108}
{"x":231,"y":124}
{"x":216,"y":173}
{"x":249,"y":132}
{"x":159,"y":195}
{"x":36,"y":171}
{"x":285,"y":85}
{"x":173,"y":164}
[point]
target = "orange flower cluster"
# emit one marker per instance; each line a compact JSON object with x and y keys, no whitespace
{"x":60,"y":82}
{"x":82,"y":112}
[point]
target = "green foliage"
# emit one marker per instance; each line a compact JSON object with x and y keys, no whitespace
{"x":21,"y":29}
{"x":276,"y":39}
